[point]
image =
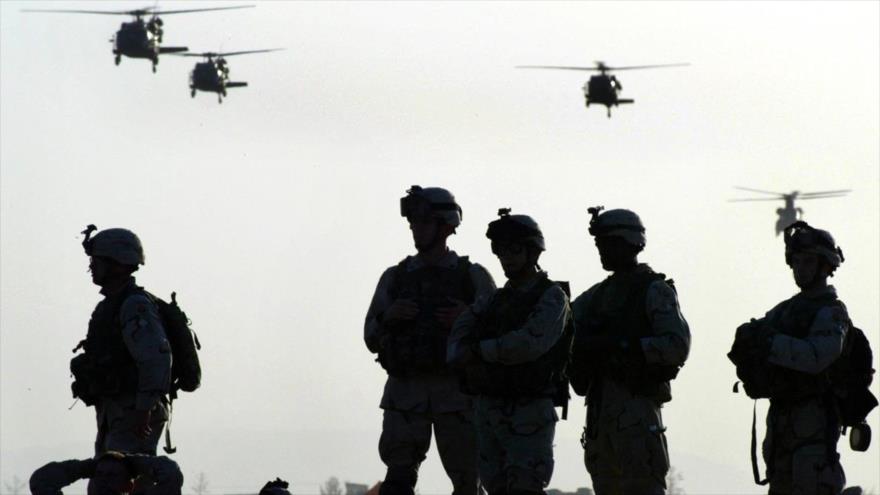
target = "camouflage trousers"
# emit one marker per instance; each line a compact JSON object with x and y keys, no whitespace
{"x":625,"y":450}
{"x":406,"y":437}
{"x":516,"y":443}
{"x":116,"y":422}
{"x":800,"y":450}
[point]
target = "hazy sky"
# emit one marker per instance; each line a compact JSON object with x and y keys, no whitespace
{"x":273,"y":214}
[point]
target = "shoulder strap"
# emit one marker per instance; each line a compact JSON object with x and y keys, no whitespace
{"x":754,"y":452}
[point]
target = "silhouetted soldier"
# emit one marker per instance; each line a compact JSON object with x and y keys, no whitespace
{"x":111,"y":473}
{"x":630,"y":340}
{"x":512,"y":350}
{"x":407,"y":324}
{"x":125,"y":371}
{"x":800,"y":339}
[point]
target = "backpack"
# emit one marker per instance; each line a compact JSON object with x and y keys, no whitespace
{"x":851,"y":376}
{"x":186,"y":371}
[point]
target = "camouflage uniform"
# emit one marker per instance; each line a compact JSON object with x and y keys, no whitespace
{"x":625,"y":445}
{"x":137,"y":318}
{"x":515,"y":433}
{"x":157,"y":475}
{"x":800,"y":446}
{"x":414,"y":403}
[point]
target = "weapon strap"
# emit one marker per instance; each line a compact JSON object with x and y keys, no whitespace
{"x":169,"y":446}
{"x":754,"y":452}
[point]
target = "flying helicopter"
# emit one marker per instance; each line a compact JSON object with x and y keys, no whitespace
{"x":213,"y":74}
{"x":140,"y":38}
{"x":789,"y":214}
{"x":603,"y":87}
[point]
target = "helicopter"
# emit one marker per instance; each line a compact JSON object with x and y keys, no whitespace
{"x":140,"y":38}
{"x":602,"y":88}
{"x":213,"y":74}
{"x":789,"y":214}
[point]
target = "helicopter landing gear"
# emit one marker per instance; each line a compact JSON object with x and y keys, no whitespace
{"x":219,"y":98}
{"x":117,"y":59}
{"x":192,"y":92}
{"x":155,"y":63}
{"x":609,"y":112}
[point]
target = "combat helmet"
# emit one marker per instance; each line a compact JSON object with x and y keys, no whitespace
{"x":618,"y":223}
{"x":120,"y":245}
{"x":515,"y":228}
{"x":277,"y":487}
{"x":433,"y":202}
{"x":801,"y":237}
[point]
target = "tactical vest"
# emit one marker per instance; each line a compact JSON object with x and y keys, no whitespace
{"x":618,"y":308}
{"x":508,"y":310}
{"x":418,"y":346}
{"x":106,"y":368}
{"x":794,"y":318}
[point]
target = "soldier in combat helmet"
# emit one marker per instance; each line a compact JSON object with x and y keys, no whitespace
{"x":407,"y":324}
{"x":800,"y":339}
{"x":513,"y":350}
{"x":630,"y":341}
{"x":125,"y":371}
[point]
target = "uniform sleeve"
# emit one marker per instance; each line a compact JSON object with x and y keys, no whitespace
{"x":51,"y":478}
{"x":484,"y":285}
{"x":145,"y":339}
{"x":457,"y":349}
{"x":823,"y":344}
{"x":536,"y":336}
{"x":380,"y":303}
{"x":164,"y":474}
{"x":671,"y":340}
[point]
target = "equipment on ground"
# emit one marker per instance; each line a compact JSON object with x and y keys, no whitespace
{"x":789,"y":214}
{"x":603,"y":87}
{"x":140,"y":38}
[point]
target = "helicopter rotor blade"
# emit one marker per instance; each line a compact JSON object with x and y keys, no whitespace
{"x":104,"y":12}
{"x":245,"y":52}
{"x":752,"y":199}
{"x":657,"y":66}
{"x":186,"y":11}
{"x":820,"y":193}
{"x":821,"y":197}
{"x":759,"y":191}
{"x":557,"y":67}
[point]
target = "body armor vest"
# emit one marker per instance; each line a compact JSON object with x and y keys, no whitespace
{"x":794,"y":319}
{"x":419,"y":346}
{"x":618,"y":308}
{"x":508,"y":310}
{"x":106,"y":368}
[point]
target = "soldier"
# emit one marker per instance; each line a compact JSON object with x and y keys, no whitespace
{"x":799,"y":340}
{"x":112,"y":473}
{"x":125,"y":371}
{"x":407,"y":324}
{"x":512,"y":350}
{"x":630,"y":341}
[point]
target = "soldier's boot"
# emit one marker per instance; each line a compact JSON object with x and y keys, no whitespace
{"x":399,"y":481}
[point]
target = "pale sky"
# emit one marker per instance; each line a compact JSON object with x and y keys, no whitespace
{"x":273,"y":214}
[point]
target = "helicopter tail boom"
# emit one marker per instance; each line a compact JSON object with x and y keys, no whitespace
{"x":236,"y":84}
{"x":172,"y":49}
{"x":622,"y":101}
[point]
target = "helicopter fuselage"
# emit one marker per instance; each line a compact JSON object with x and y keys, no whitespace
{"x":134,"y":40}
{"x":208,"y":76}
